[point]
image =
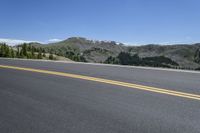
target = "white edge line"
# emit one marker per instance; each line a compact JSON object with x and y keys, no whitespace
{"x":109,"y":65}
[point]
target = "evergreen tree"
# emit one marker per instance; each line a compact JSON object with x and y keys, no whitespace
{"x":197,"y":56}
{"x":24,"y":49}
{"x":44,"y":55}
{"x":1,"y":50}
{"x":12,"y":53}
{"x":111,"y":60}
{"x":29,"y":47}
{"x":18,"y":51}
{"x":39,"y":56}
{"x":32,"y":52}
{"x":5,"y":50}
{"x":51,"y":56}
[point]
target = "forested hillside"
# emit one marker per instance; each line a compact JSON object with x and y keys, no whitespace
{"x":26,"y":51}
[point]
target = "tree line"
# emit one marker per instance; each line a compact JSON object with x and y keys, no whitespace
{"x":67,"y":52}
{"x":197,"y":56}
{"x":26,"y":51}
{"x":125,"y":58}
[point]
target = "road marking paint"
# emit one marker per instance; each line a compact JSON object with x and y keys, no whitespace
{"x":107,"y":65}
{"x":107,"y":81}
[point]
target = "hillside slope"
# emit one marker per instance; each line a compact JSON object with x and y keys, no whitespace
{"x":182,"y":54}
{"x":98,"y":51}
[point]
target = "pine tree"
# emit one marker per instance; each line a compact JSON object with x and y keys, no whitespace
{"x":51,"y":56}
{"x":32,"y":52}
{"x":1,"y":50}
{"x":12,"y":53}
{"x":7,"y":51}
{"x":24,"y":49}
{"x":39,"y":56}
{"x":29,"y":47}
{"x":18,"y":51}
{"x":44,"y":55}
{"x":197,"y":56}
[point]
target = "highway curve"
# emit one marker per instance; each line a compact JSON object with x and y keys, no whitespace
{"x":56,"y":97}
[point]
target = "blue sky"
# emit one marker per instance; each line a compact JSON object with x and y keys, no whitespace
{"x":128,"y":21}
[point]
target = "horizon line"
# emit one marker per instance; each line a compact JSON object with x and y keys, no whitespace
{"x":13,"y":42}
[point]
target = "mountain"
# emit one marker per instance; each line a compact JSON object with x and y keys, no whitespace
{"x":185,"y":55}
{"x":93,"y":51}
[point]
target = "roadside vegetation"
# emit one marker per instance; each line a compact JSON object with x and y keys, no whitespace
{"x":25,"y":51}
{"x":83,"y":50}
{"x":197,"y":56}
{"x":125,"y":58}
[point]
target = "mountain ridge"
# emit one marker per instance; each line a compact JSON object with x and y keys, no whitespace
{"x":100,"y":51}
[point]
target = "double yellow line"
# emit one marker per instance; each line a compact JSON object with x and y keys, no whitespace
{"x":112,"y":82}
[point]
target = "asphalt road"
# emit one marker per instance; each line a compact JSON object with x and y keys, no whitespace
{"x":41,"y":103}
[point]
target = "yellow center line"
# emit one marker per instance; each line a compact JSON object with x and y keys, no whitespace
{"x":107,"y":81}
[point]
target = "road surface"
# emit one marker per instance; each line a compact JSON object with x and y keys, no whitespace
{"x":55,"y":97}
